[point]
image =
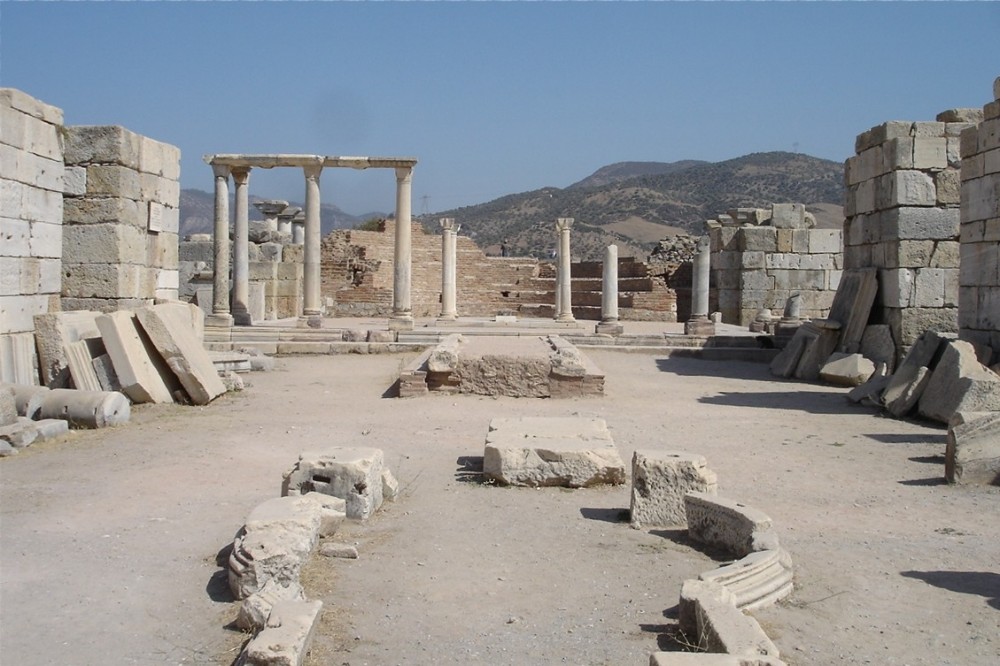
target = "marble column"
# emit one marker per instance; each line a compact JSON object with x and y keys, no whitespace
{"x":402,"y":311}
{"x":699,"y":323}
{"x":298,"y":225}
{"x":241,"y":249}
{"x":564,"y":305}
{"x":285,"y":218}
{"x":271,"y":209}
{"x":220,"y":285}
{"x":311,"y":308}
{"x":449,"y":311}
{"x":609,"y":294}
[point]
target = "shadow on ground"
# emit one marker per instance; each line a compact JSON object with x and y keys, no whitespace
{"x":607,"y":515}
{"x":470,"y":469}
{"x":699,"y":367}
{"x":910,"y":438}
{"x":983,"y":583}
{"x":814,"y":403}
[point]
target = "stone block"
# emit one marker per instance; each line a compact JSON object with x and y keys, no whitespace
{"x":847,"y":369}
{"x":758,"y":239}
{"x":287,"y":637}
{"x":908,"y":223}
{"x":708,"y":616}
{"x":16,"y":312}
{"x":724,"y":523}
{"x":176,"y":338}
{"x":788,"y":216}
{"x":757,"y":580}
{"x":46,"y":240}
{"x":852,"y":305}
{"x":930,"y":152}
{"x":97,"y":210}
{"x":113,"y":281}
{"x":660,"y":480}
{"x":134,"y":358}
{"x":752,"y":260}
{"x":104,"y":144}
{"x":18,"y":359}
{"x":756,"y":280}
{"x":54,"y":332}
{"x":818,"y":344}
{"x":353,"y":474}
{"x":551,"y":451}
{"x":103,"y":244}
{"x":8,"y":406}
{"x":959,"y":383}
{"x":948,"y":187}
{"x":42,"y":205}
{"x":113,"y":181}
{"x":21,"y":101}
{"x":972,"y":455}
{"x":877,"y":345}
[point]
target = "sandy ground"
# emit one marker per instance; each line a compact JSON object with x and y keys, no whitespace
{"x":109,"y":539}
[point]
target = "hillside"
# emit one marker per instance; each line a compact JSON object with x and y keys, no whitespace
{"x":197,"y":212}
{"x":628,"y":207}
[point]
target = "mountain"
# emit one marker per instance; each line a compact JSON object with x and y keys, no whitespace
{"x":619,"y":171}
{"x":637,"y":203}
{"x":197,"y":213}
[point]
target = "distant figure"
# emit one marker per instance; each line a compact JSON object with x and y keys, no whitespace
{"x":503,"y":248}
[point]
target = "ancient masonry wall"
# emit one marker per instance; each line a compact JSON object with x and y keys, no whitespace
{"x":31,"y":206}
{"x":357,"y":280}
{"x":760,"y":257}
{"x":121,"y":217}
{"x":902,"y":218}
{"x":979,"y":279}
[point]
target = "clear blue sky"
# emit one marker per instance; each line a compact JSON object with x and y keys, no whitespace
{"x":495,"y":98}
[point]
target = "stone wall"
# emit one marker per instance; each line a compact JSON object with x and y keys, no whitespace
{"x":902,"y":218}
{"x":357,"y":280}
{"x":979,"y":279}
{"x":31,"y":185}
{"x":120,"y":219}
{"x":760,"y":257}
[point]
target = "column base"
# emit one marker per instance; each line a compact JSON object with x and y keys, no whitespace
{"x":242,"y":319}
{"x":446,"y":320}
{"x":609,"y":328}
{"x":566,"y":318}
{"x":404,"y":323}
{"x":222,"y":320}
{"x":699,"y":325}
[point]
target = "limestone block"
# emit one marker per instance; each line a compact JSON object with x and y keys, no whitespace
{"x":286,"y":639}
{"x":871,"y":391}
{"x":134,"y":358}
{"x":725,"y":523}
{"x":752,"y":260}
{"x":55,"y":331}
{"x":784,"y":364}
{"x":18,"y":359}
{"x":255,"y":609}
{"x":174,"y":334}
{"x":921,"y":223}
{"x":42,"y":205}
{"x":819,"y":343}
{"x":103,"y":244}
{"x":444,"y":357}
{"x":513,"y":376}
{"x":81,"y":367}
{"x":757,"y":580}
{"x":756,"y":280}
{"x":930,"y":152}
{"x":905,"y":388}
{"x":660,"y":480}
{"x":928,"y":288}
{"x":112,"y":180}
{"x":959,"y":383}
{"x":551,"y":451}
{"x":972,"y":455}
{"x":14,"y":234}
{"x":19,"y":434}
{"x":102,"y":145}
{"x":877,"y":345}
{"x":46,"y":241}
{"x":709,"y":618}
{"x":788,"y":216}
{"x":353,"y":474}
{"x":85,"y":409}
{"x":8,"y":406}
{"x":758,"y":239}
{"x":847,"y":369}
{"x":106,"y":281}
{"x":111,"y":209}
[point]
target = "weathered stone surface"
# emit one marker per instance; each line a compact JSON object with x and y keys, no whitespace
{"x":19,"y":434}
{"x":287,"y":636}
{"x":959,"y":383}
{"x":256,"y":608}
{"x":904,"y":389}
{"x":852,"y":305}
{"x":972,"y":455}
{"x":28,"y":399}
{"x":820,"y":340}
{"x":133,"y":358}
{"x":444,"y":357}
{"x":757,"y":580}
{"x":52,"y":333}
{"x":81,"y":366}
{"x":847,"y":369}
{"x":877,"y":345}
{"x":784,"y":364}
{"x":105,"y":371}
{"x":338,"y":550}
{"x":871,"y":391}
{"x":85,"y":409}
{"x":8,"y":406}
{"x":709,"y":618}
{"x":551,"y":451}
{"x":354,"y":475}
{"x":725,"y":523}
{"x":512,"y":376}
{"x":660,"y":480}
{"x":172,"y":330}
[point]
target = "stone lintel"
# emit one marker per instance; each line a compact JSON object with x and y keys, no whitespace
{"x":268,"y":161}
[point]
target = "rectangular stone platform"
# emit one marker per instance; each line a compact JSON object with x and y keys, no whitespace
{"x":573,"y":452}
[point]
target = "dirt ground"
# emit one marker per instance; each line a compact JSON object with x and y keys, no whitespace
{"x":109,"y":539}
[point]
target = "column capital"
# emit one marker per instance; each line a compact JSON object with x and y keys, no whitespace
{"x":312,"y":171}
{"x":564,"y":223}
{"x":448,"y":224}
{"x":404,"y":174}
{"x":221,"y":170}
{"x":240,"y":174}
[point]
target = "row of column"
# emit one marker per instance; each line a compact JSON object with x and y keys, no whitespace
{"x":237,"y":312}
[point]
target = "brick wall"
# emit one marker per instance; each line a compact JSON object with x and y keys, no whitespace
{"x":979,"y":279}
{"x":120,"y":219}
{"x":760,"y":257}
{"x":902,"y":217}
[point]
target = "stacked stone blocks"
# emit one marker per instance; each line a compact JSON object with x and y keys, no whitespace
{"x":979,"y":278}
{"x":31,"y":210}
{"x":761,"y":257}
{"x":902,"y":218}
{"x":121,"y":219}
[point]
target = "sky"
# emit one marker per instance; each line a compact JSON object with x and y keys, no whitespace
{"x":495,"y":98}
